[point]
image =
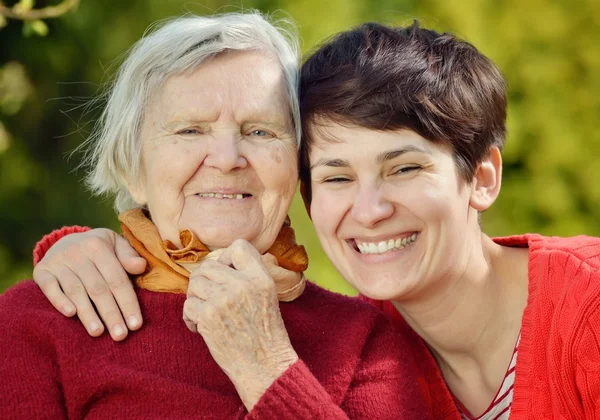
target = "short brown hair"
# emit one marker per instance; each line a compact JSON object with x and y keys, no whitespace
{"x":390,"y":78}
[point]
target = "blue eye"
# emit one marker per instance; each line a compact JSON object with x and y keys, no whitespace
{"x":259,"y":133}
{"x":188,"y":131}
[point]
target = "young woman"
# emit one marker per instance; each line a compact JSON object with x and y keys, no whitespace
{"x":402,"y":136}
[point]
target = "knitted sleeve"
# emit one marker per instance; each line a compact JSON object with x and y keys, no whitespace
{"x":50,"y":239}
{"x":587,"y":374}
{"x":30,"y":384}
{"x":378,"y":390}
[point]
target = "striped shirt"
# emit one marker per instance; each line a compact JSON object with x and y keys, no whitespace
{"x":499,"y":409}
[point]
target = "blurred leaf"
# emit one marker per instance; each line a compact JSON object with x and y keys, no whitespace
{"x":23,"y":6}
{"x":14,"y":87}
{"x":4,"y":139}
{"x":35,"y":27}
{"x":3,"y":21}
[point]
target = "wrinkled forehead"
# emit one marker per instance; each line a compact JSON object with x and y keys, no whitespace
{"x":249,"y":84}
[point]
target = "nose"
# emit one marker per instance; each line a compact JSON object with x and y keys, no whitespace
{"x":370,"y":206}
{"x":224,"y":153}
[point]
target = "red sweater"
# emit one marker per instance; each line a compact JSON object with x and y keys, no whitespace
{"x":558,"y":368}
{"x":352,"y":365}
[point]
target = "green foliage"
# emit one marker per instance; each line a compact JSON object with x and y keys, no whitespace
{"x":35,"y":27}
{"x":548,"y":52}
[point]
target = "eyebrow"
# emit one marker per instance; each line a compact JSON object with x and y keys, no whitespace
{"x":392,"y":154}
{"x":334,"y":163}
{"x":381,"y":158}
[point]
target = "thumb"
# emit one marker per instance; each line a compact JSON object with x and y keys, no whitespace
{"x":128,"y":257}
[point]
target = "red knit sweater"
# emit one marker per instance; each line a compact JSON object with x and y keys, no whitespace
{"x":558,"y":369}
{"x":352,"y":365}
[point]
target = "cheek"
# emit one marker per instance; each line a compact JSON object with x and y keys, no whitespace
{"x":171,"y":166}
{"x":327,"y":209}
{"x":277,"y":166}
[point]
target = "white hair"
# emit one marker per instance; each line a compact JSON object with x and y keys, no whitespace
{"x":178,"y":46}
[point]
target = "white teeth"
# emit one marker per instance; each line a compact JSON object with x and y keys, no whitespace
{"x":383,"y":247}
{"x":219,"y":195}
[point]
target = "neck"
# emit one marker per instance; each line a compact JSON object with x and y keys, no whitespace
{"x":472,"y":319}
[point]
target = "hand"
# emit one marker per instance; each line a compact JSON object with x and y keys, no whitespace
{"x":93,"y":263}
{"x":233,"y":304}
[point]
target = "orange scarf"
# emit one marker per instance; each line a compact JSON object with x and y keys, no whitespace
{"x":168,"y":268}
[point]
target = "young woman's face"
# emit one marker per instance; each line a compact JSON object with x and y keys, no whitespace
{"x":390,"y":210}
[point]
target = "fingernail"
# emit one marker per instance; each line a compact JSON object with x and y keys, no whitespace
{"x":133,"y":321}
{"x":68,"y":309}
{"x":118,"y":330}
{"x":94,"y":327}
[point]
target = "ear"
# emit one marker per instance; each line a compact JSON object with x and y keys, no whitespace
{"x":487,"y":181}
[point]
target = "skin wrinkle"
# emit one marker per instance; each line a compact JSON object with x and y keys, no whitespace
{"x":223,"y":139}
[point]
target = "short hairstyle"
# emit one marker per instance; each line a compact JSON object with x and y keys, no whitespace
{"x":389,"y":78}
{"x":178,"y":46}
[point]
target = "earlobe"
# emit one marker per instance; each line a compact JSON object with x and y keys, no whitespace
{"x":487,"y":181}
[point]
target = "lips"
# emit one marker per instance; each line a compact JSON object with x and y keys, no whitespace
{"x":225,"y":196}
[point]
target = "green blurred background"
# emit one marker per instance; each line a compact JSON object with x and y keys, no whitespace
{"x":548,"y":50}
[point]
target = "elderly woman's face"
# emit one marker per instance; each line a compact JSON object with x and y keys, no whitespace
{"x":219,"y":154}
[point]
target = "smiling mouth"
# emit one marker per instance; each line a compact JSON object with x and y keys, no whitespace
{"x":235,"y":196}
{"x":381,"y":247}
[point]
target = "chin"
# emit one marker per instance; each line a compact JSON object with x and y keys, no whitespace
{"x":379,"y":287}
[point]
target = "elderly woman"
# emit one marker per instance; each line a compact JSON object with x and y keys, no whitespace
{"x":198,"y":142}
{"x":403,"y":130}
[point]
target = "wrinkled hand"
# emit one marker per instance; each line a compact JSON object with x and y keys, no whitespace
{"x":233,"y":304}
{"x":93,"y":263}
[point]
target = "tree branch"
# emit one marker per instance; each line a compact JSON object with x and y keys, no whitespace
{"x":36,"y":14}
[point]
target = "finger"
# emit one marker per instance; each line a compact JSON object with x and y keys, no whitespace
{"x":242,"y":256}
{"x":191,"y":325}
{"x":201,"y":287}
{"x":129,"y":258}
{"x":51,"y":289}
{"x":100,"y":293}
{"x":192,"y":310}
{"x":75,"y":291}
{"x":121,"y":287}
{"x":284,"y":278}
{"x":214,"y":271}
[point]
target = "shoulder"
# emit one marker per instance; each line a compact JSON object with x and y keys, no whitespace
{"x":318,"y":300}
{"x":575,"y":249}
{"x":334,"y":318}
{"x":25,"y":304}
{"x":564,"y":278}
